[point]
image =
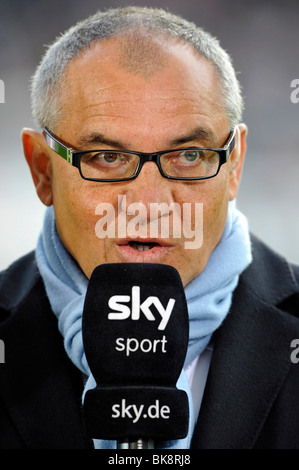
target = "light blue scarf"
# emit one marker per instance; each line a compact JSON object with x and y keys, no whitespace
{"x":208,"y":297}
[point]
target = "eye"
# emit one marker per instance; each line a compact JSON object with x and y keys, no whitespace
{"x":191,"y":155}
{"x":108,"y":157}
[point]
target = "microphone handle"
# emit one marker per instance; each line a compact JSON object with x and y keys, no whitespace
{"x":135,"y":444}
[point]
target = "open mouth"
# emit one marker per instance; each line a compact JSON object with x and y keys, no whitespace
{"x":139,"y":246}
{"x":143,"y":251}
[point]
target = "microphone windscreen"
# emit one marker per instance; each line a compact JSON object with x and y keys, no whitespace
{"x":135,"y":332}
{"x":135,"y":324}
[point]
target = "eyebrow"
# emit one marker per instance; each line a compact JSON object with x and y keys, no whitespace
{"x":199,"y":133}
{"x":96,"y":138}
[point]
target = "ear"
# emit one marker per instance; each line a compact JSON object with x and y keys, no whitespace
{"x":237,"y":161}
{"x":39,"y":163}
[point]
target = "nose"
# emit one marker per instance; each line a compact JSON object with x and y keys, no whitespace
{"x":149,"y":187}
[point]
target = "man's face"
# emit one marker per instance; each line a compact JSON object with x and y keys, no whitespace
{"x":128,"y":110}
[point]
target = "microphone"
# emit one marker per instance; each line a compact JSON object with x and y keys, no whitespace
{"x":135,"y":330}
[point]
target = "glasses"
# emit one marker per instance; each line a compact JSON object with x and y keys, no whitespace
{"x":186,"y":164}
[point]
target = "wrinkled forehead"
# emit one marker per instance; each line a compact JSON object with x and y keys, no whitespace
{"x":130,"y":77}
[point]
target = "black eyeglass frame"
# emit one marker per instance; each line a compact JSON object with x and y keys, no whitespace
{"x":74,"y":157}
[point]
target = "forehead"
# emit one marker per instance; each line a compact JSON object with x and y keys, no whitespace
{"x":115,"y":88}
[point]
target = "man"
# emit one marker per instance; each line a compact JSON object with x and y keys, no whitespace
{"x":148,"y":108}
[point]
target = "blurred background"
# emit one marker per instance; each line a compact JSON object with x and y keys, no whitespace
{"x":263,"y":39}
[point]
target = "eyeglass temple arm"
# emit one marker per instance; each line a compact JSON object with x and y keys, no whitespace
{"x":59,"y":148}
{"x":231,"y":144}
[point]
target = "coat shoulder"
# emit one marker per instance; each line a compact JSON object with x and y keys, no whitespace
{"x":17,"y":281}
{"x":271,"y":278}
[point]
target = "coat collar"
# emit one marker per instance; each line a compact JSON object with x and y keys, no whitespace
{"x":251,"y":356}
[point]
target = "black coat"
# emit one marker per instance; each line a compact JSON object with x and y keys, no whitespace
{"x":251,"y":398}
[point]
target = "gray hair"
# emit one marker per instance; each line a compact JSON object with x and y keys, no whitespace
{"x":47,"y":81}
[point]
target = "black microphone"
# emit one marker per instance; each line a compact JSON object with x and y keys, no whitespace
{"x":135,"y":332}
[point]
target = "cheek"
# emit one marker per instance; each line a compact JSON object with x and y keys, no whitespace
{"x":75,"y":220}
{"x":215,"y":211}
{"x":213,"y":195}
{"x":75,"y":201}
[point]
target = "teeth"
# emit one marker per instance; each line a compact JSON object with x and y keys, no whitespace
{"x":141,"y":246}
